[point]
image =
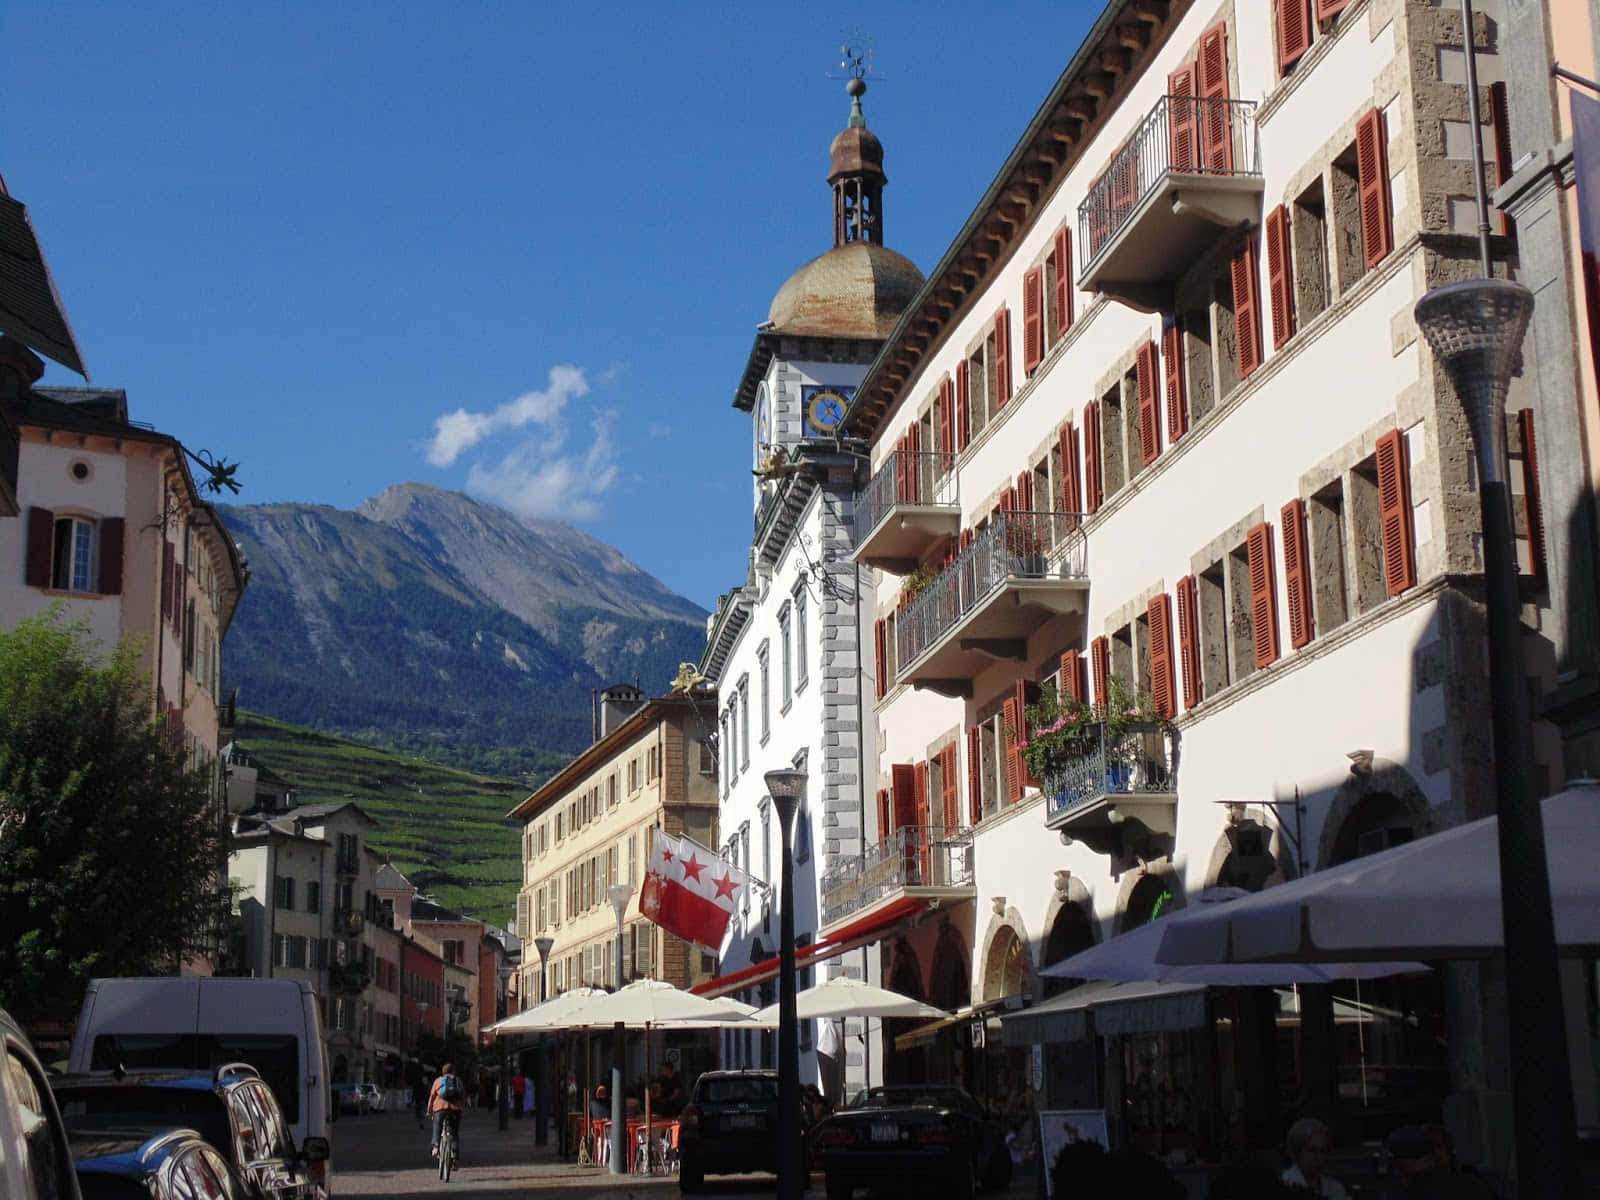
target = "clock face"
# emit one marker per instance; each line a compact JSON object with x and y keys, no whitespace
{"x":824,"y":410}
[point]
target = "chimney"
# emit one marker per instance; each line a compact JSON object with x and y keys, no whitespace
{"x":617,"y":703}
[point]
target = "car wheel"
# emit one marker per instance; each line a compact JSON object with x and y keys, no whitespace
{"x":965,"y":1184}
{"x":691,"y":1175}
{"x":839,"y":1189}
{"x":998,"y":1176}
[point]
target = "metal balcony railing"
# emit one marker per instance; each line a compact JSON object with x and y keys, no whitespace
{"x":1140,"y":759}
{"x":1016,"y":545}
{"x":922,"y":478}
{"x":921,"y":856}
{"x":1187,"y":135}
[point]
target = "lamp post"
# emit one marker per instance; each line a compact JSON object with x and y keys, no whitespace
{"x":786,"y":786}
{"x":505,"y":971}
{"x":541,"y":1090}
{"x":1475,"y":328}
{"x":619,"y":894}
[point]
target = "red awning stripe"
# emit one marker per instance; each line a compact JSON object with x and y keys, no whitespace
{"x":858,"y":933}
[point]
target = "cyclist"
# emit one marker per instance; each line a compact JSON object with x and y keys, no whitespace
{"x":446,"y":1101}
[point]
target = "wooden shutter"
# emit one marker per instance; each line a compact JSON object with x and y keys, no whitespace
{"x":1280,"y":276}
{"x":1328,"y":8}
{"x":168,"y":584}
{"x":1071,"y":485}
{"x":1026,"y":693}
{"x":1216,"y":116}
{"x":947,"y":443}
{"x":1032,"y":319}
{"x":1002,"y":356}
{"x":1530,"y":494}
{"x":1372,"y":168}
{"x":1163,"y":685}
{"x":1246,"y":307}
{"x":1091,"y":456}
{"x":885,"y":815}
{"x":1144,"y":370}
{"x":1294,"y":31}
{"x":1177,"y":394}
{"x":1263,"y":593}
{"x":1183,"y":131}
{"x":1297,"y":573}
{"x":974,"y":774}
{"x":881,"y":635}
{"x":901,"y":459}
{"x":920,"y":814}
{"x":1189,"y":640}
{"x":949,"y":792}
{"x":112,"y":532}
{"x":1063,"y":297}
{"x":41,"y":547}
{"x":1025,"y":492}
{"x":1500,"y":127}
{"x":1394,"y":507}
{"x":903,"y":793}
{"x":1009,"y":720}
{"x":963,"y":406}
{"x":1072,"y":666}
{"x":1100,"y":662}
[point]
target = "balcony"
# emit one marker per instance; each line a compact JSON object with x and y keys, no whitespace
{"x":911,"y":506}
{"x":915,"y":861}
{"x":1121,"y":793}
{"x":1190,"y":167}
{"x":1022,"y":572}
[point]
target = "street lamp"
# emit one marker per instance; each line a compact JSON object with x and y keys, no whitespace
{"x":541,"y":1091}
{"x":786,"y":786}
{"x":619,"y":894}
{"x":1475,"y":328}
{"x":505,"y":971}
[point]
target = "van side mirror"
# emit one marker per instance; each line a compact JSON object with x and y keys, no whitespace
{"x":315,"y":1150}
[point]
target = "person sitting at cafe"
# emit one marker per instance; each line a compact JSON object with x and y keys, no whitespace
{"x":600,"y":1105}
{"x":1308,"y":1142}
{"x":668,"y":1098}
{"x":1424,"y":1160}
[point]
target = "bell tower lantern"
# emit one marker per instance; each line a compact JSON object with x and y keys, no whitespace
{"x":856,"y":176}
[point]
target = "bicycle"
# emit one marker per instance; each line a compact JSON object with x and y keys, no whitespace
{"x":447,"y":1146}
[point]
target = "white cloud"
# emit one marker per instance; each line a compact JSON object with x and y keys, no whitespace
{"x":457,"y":432}
{"x":659,"y":430}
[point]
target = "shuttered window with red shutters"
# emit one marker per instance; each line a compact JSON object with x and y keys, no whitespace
{"x":881,"y":643}
{"x":1216,"y":116}
{"x":885,"y":816}
{"x":1025,"y":693}
{"x":1100,"y":663}
{"x":1173,"y":380}
{"x":1297,"y":572}
{"x":920,"y":817}
{"x":1189,"y":640}
{"x":903,"y":793}
{"x":1091,"y":457}
{"x":1326,"y":9}
{"x":947,"y":442}
{"x":1063,"y":296}
{"x":111,"y":538}
{"x":1032,"y":319}
{"x":1011,"y":721}
{"x":1144,"y":370}
{"x":168,"y":584}
{"x":949,"y":791}
{"x":1002,"y":357}
{"x":41,"y":552}
{"x":974,"y":774}
{"x":1072,"y":681}
{"x":1263,"y":593}
{"x":1280,"y":275}
{"x":1163,"y":683}
{"x":1246,"y":306}
{"x":1071,"y":484}
{"x":1530,"y":494}
{"x":1293,"y":19}
{"x":963,"y":406}
{"x":1183,"y":127}
{"x":1394,"y":513}
{"x":1025,"y":492}
{"x":1372,"y":170}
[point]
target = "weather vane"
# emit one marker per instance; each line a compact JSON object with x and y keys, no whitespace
{"x":219,"y":472}
{"x":856,"y":56}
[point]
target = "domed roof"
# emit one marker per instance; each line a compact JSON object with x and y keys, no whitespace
{"x":856,"y":290}
{"x":856,"y":149}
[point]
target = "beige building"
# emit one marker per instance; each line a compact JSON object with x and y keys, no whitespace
{"x":651,"y":767}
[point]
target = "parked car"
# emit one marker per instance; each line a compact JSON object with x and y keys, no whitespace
{"x":730,"y":1126}
{"x":35,"y":1163}
{"x":376,"y":1100}
{"x":233,"y":1111}
{"x":906,"y":1133}
{"x":175,"y":1165}
{"x":350,"y":1097}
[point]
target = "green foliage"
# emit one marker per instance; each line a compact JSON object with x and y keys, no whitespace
{"x":109,"y":847}
{"x":1060,"y":729}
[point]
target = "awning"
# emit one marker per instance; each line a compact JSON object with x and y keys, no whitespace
{"x":923,"y":1034}
{"x":848,"y":937}
{"x":1117,"y":1008}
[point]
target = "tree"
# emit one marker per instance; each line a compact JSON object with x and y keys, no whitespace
{"x":109,"y":846}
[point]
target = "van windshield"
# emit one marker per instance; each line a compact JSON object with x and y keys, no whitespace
{"x":276,"y":1056}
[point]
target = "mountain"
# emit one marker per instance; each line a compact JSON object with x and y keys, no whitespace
{"x":450,"y":628}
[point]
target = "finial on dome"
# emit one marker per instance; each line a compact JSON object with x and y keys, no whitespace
{"x":857,"y":65}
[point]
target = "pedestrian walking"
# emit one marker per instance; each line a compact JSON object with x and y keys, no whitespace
{"x":528,"y":1096}
{"x":515,"y":1099}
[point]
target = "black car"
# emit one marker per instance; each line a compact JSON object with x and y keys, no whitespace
{"x":913,"y":1135}
{"x":233,"y":1110}
{"x":175,"y":1165}
{"x":730,"y":1126}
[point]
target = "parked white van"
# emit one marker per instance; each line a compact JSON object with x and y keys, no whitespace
{"x":199,"y":1023}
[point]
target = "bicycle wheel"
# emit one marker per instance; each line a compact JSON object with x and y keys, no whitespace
{"x":447,"y":1153}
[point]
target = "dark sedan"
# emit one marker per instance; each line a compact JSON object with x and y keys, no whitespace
{"x":729,"y":1126}
{"x":913,"y":1135}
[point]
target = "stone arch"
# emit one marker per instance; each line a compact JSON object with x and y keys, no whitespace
{"x":1381,"y":797}
{"x":1007,"y":966}
{"x":1146,"y":895}
{"x":950,"y":975}
{"x":1232,"y":863}
{"x":1069,"y":928}
{"x":905,"y":971}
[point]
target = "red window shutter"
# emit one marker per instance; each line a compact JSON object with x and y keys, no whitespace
{"x":1091,"y":456}
{"x":1328,"y":8}
{"x":1372,"y":168}
{"x":1149,"y":406}
{"x":1183,"y":131}
{"x":1263,"y":593}
{"x":947,"y":443}
{"x":1002,"y":355}
{"x":1063,"y":295}
{"x":41,"y":547}
{"x":1394,"y":509}
{"x":1280,"y":276}
{"x":1530,"y":494}
{"x":1189,"y":639}
{"x":903,"y":793}
{"x":1297,"y":573}
{"x":920,"y":816}
{"x":1177,"y":395}
{"x":1216,"y":117}
{"x":885,"y":815}
{"x":1011,"y":717}
{"x":974,"y":774}
{"x":1072,"y":676}
{"x":1071,"y":485}
{"x":900,"y":471}
{"x":1100,"y":661}
{"x":914,"y":445}
{"x":1500,"y":126}
{"x":949,"y":792}
{"x":1163,"y":685}
{"x":112,"y":532}
{"x":881,"y":633}
{"x":1027,"y":692}
{"x":1246,"y":307}
{"x":963,"y":409}
{"x":168,"y":584}
{"x":1294,"y":31}
{"x":1025,"y":492}
{"x":1032,"y":319}
{"x":966,"y":538}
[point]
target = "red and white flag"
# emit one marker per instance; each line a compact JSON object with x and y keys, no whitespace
{"x":689,"y":891}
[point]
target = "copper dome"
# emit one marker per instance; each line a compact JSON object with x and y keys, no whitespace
{"x":855,"y":150}
{"x":857,"y":290}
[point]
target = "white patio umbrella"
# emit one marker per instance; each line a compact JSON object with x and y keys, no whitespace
{"x":654,"y":1003}
{"x":1437,"y":897}
{"x":553,"y":1014}
{"x":1132,"y":957}
{"x":844,"y":997}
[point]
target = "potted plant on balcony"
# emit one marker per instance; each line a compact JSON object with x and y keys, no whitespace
{"x":915,"y":582}
{"x":1062,"y":731}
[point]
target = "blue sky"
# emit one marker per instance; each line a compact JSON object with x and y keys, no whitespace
{"x":303,"y":235}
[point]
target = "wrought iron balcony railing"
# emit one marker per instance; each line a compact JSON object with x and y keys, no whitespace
{"x":919,"y":479}
{"x":1140,"y":760}
{"x":1016,"y":546}
{"x":913,"y":856}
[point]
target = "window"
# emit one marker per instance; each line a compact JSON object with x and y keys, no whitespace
{"x":282,"y":892}
{"x":1296,"y":30}
{"x":786,"y":650}
{"x":799,"y":595}
{"x":611,"y":790}
{"x":766,"y":838}
{"x":744,"y":857}
{"x":74,"y":553}
{"x":744,"y":723}
{"x":764,"y":668}
{"x":313,"y":896}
